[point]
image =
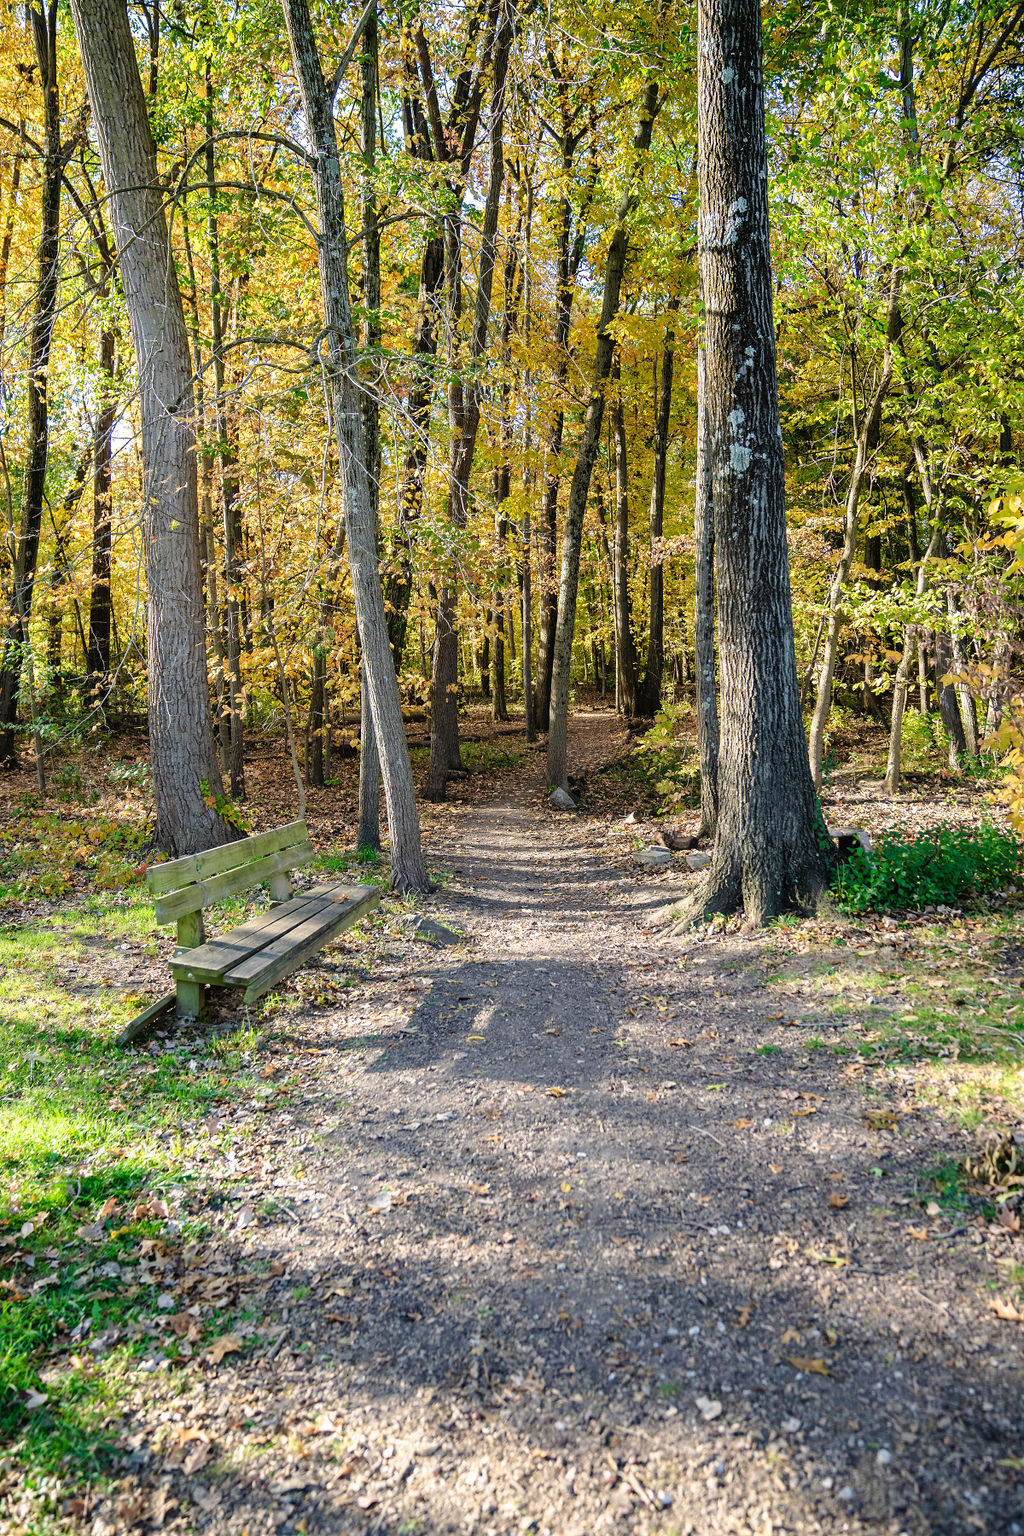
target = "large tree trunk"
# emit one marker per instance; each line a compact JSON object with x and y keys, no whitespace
{"x":770,"y":850}
{"x":407,"y":871}
{"x":649,"y":700}
{"x":579,"y":490}
{"x":184,"y":763}
{"x":25,"y":551}
{"x":704,"y":616}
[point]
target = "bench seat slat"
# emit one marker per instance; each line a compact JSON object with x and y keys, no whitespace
{"x":208,"y":962}
{"x":203,"y":893}
{"x":215,"y":861}
{"x":260,"y":971}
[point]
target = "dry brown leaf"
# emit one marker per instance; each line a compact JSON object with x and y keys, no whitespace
{"x":1006,"y":1310}
{"x":227,"y":1344}
{"x":775,"y":1167}
{"x":920,"y":1234}
{"x":741,"y":1125}
{"x":744,"y":1317}
{"x":680,"y":1042}
{"x":838,"y":1201}
{"x":556,"y":1093}
{"x":810,"y":1365}
{"x":479,"y":1189}
{"x":791,"y":1336}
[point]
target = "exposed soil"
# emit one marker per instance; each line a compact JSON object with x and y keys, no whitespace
{"x":544,"y":1243}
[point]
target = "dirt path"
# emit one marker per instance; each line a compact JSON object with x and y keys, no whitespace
{"x":555,"y":1248}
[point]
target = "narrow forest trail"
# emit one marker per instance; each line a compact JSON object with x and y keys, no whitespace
{"x":544,"y":1243}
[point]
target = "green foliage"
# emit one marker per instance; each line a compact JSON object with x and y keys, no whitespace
{"x":226,"y":808}
{"x":932,"y":868}
{"x":667,"y":760}
{"x":923,"y":736}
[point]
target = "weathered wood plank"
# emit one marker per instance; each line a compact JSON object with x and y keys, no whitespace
{"x":215,"y":861}
{"x":214,"y":888}
{"x":211,"y":960}
{"x":259,"y":973}
{"x":146,"y":1019}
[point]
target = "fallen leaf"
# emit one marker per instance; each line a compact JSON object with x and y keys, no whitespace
{"x":556,"y":1093}
{"x":838,"y":1201}
{"x":741,"y":1125}
{"x":680,"y":1042}
{"x":791,"y":1336}
{"x":1006,"y":1310}
{"x":775,"y":1167}
{"x":34,"y":1399}
{"x":227,"y":1344}
{"x":811,"y":1366}
{"x":197,"y":1457}
{"x":798,"y":1113}
{"x":479,"y":1189}
{"x":744,"y":1317}
{"x":920,"y":1234}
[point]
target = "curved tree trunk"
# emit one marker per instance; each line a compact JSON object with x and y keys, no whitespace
{"x":407,"y":870}
{"x":184,"y":763}
{"x":770,"y":849}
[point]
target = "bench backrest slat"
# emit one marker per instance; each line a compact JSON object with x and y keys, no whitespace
{"x":192,"y":898}
{"x":179,"y":873}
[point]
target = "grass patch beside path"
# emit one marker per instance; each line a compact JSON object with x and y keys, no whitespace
{"x":104,"y":1209}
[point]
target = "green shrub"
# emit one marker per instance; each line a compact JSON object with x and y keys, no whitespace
{"x":923,"y":741}
{"x":932,"y":868}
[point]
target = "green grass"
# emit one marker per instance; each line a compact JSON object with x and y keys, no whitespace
{"x":90,"y":1137}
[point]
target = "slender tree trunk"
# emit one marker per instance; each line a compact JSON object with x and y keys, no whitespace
{"x":24,"y":552}
{"x":407,"y":871}
{"x":867,"y":440}
{"x":229,"y":480}
{"x":911,"y":646}
{"x":464,"y":412}
{"x":184,"y":763}
{"x":625,"y":649}
{"x":770,"y":849}
{"x":369,"y":757}
{"x":615,"y":265}
{"x":97,"y":663}
{"x":649,"y":701}
{"x":704,"y":616}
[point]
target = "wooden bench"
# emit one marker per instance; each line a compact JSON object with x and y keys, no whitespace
{"x":261,"y":951}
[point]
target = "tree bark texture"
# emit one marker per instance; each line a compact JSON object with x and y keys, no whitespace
{"x":407,"y":869}
{"x":180,"y":734}
{"x":771,"y":847}
{"x":579,"y":489}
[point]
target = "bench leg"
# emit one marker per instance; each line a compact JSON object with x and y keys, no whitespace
{"x":190,"y":999}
